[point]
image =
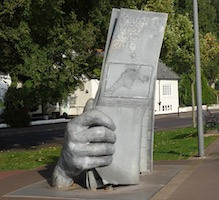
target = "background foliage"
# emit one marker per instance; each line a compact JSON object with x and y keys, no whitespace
{"x":47,"y":45}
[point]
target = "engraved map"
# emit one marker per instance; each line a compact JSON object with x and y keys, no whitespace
{"x":129,"y":81}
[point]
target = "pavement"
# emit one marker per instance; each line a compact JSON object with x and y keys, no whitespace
{"x":196,"y":179}
{"x":199,"y":180}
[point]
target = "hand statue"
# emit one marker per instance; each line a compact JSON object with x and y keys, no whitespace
{"x":88,"y":143}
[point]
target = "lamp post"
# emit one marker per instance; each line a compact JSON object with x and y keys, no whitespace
{"x":198,"y":82}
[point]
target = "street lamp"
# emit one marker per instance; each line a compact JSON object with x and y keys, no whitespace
{"x":198,"y":81}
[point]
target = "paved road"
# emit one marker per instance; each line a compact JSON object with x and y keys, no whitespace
{"x":52,"y":134}
{"x":172,"y":121}
{"x":167,"y":122}
{"x":31,"y":137}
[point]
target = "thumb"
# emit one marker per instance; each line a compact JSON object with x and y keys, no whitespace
{"x":89,"y":105}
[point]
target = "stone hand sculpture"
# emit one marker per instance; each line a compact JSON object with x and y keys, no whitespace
{"x":88,"y":143}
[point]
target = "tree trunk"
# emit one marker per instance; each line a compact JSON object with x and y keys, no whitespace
{"x":44,"y":109}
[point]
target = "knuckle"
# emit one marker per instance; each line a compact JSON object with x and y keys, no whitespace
{"x":74,"y":148}
{"x":100,"y":130}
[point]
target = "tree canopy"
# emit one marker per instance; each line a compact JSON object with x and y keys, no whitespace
{"x":44,"y":48}
{"x":207,"y":12}
{"x":47,"y":45}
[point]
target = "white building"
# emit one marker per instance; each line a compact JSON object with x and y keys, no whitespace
{"x":5,"y":82}
{"x":76,"y":101}
{"x":166,"y":93}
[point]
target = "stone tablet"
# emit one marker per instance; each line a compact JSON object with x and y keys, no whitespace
{"x":126,"y":92}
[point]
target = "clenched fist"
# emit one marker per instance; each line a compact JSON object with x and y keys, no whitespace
{"x":88,"y":143}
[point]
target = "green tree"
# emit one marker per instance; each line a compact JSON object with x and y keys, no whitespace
{"x":216,"y":5}
{"x":209,"y":57}
{"x":177,"y":50}
{"x":208,"y":21}
{"x":185,"y":92}
{"x":18,"y":103}
{"x":44,"y":48}
{"x":47,"y":45}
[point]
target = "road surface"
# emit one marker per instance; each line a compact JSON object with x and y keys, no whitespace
{"x":52,"y":134}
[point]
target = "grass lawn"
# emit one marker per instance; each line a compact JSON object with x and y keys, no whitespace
{"x":178,"y":144}
{"x":28,"y":159}
{"x":168,"y":145}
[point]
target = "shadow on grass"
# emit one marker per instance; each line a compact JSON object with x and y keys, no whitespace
{"x":185,"y":135}
{"x":51,"y":160}
{"x":172,"y":155}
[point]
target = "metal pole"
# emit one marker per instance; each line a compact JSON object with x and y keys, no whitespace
{"x":201,"y":152}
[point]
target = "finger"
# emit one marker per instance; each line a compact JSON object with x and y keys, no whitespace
{"x":94,"y":134}
{"x":89,"y":105}
{"x":93,"y":162}
{"x":92,"y":149}
{"x":92,"y":118}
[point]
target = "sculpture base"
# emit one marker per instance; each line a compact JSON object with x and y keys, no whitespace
{"x":149,"y":185}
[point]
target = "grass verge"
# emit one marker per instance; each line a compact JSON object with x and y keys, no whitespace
{"x":178,"y":144}
{"x":168,"y":145}
{"x":28,"y":159}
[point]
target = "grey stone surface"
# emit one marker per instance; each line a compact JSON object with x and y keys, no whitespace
{"x":88,"y":143}
{"x":149,"y":185}
{"x":126,"y":92}
{"x":124,"y":102}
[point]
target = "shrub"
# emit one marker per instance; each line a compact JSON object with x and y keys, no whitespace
{"x":17,"y":107}
{"x":185,"y":94}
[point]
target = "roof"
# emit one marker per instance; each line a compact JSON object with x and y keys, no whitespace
{"x":165,"y":73}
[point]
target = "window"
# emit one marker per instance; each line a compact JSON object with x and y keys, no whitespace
{"x":167,"y":90}
{"x":167,"y":107}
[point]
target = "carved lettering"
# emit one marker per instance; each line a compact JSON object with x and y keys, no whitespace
{"x":134,"y":29}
